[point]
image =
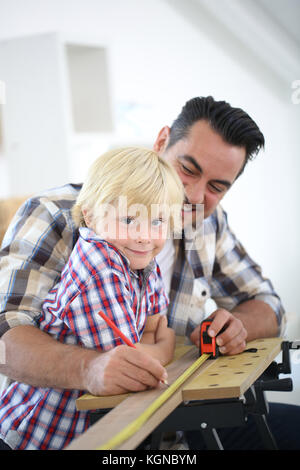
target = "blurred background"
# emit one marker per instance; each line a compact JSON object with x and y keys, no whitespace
{"x":78,"y":77}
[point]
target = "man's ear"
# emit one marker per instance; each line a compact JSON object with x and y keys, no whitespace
{"x":162,"y":140}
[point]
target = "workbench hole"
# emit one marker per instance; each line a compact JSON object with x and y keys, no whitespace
{"x":254,"y":357}
{"x":214,"y":385}
{"x":223,"y":366}
{"x":248,"y":364}
{"x":213,"y":374}
{"x":240,"y":372}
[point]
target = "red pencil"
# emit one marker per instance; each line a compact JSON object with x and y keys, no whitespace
{"x":116,"y":329}
{"x":119,"y":333}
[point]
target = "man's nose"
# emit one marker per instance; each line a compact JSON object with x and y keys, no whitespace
{"x":196,"y":193}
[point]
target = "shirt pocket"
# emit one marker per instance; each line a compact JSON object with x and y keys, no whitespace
{"x":200,"y":296}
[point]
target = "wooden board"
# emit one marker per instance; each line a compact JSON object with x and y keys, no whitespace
{"x":231,"y":376}
{"x":234,"y":373}
{"x":127,"y":411}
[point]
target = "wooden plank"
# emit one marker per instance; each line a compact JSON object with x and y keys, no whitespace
{"x":231,"y":376}
{"x":92,"y":402}
{"x":124,"y":413}
{"x":237,"y":373}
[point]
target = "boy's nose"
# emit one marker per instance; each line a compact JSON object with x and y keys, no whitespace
{"x":143,"y":234}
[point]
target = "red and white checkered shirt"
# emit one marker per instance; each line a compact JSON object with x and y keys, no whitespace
{"x":96,"y":277}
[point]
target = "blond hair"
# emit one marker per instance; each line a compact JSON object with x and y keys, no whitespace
{"x":139,"y":174}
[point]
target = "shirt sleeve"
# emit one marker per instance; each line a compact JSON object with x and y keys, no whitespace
{"x":34,"y":252}
{"x":237,"y":278}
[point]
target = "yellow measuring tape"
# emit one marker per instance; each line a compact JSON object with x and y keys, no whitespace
{"x":135,"y":425}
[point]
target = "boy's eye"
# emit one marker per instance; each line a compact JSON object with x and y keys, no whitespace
{"x":127,"y":220}
{"x":157,"y":222}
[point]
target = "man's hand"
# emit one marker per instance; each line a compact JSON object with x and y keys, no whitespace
{"x":123,"y":369}
{"x":232,"y":340}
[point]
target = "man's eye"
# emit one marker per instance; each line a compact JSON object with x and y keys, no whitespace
{"x":186,"y":170}
{"x":216,"y":189}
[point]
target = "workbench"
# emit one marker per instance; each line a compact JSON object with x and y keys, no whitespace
{"x":221,"y":393}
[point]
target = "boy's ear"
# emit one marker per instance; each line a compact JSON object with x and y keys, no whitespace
{"x":87,"y":216}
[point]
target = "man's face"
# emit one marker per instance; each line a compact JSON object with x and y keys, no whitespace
{"x":205,"y":163}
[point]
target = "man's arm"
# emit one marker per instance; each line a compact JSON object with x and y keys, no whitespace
{"x":250,"y":313}
{"x":35,"y":249}
{"x":249,"y":307}
{"x":34,"y":357}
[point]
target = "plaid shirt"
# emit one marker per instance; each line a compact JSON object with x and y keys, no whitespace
{"x":96,"y":277}
{"x":42,"y":235}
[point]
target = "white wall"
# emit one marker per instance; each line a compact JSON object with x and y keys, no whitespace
{"x":159,"y":59}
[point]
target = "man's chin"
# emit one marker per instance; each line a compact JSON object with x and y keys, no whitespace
{"x":191,"y":217}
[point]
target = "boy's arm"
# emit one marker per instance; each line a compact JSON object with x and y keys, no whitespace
{"x":161,"y":342}
{"x":151,"y":325}
{"x":164,"y":346}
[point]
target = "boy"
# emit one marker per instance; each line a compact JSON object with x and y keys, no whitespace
{"x":130,"y":200}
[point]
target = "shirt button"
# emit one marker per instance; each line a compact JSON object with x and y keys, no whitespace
{"x":203,"y":293}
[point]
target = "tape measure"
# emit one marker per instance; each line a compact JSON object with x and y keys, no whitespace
{"x":135,"y":425}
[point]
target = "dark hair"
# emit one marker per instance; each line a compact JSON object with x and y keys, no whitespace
{"x":234,"y":125}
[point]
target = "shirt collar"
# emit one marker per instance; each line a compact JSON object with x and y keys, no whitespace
{"x":90,"y":236}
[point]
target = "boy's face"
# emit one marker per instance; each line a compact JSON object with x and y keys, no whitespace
{"x":140,"y":238}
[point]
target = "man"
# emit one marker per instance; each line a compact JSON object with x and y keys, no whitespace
{"x":209,"y":144}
